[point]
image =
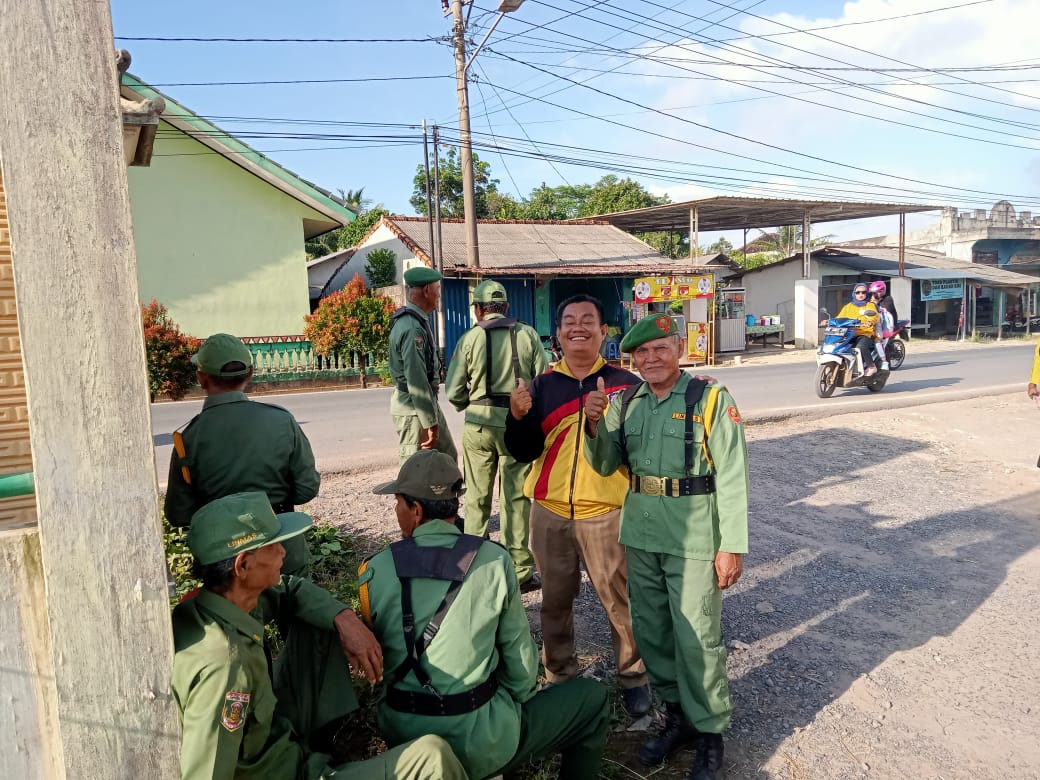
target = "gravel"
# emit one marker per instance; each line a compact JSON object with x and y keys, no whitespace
{"x":876,"y":631}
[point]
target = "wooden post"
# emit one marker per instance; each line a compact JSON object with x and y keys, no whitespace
{"x":79,"y":318}
{"x":806,"y":254}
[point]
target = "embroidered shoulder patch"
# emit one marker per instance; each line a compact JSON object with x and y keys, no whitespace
{"x":233,"y":716}
{"x":734,"y":415}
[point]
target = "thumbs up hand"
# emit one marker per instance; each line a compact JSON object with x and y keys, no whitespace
{"x":596,"y":402}
{"x":520,"y":400}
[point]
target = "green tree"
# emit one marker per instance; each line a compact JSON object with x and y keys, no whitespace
{"x":787,"y":240}
{"x":720,"y":247}
{"x":352,"y":320}
{"x":450,"y":173}
{"x":381,"y":267}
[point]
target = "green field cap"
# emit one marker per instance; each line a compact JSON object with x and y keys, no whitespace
{"x":428,"y":474}
{"x":239,"y":523}
{"x":489,"y":292}
{"x":223,"y":355}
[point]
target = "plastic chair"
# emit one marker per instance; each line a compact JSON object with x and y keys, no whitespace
{"x":613,"y":350}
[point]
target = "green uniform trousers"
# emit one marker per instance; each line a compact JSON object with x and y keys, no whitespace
{"x":408,"y":430}
{"x":313,"y":686}
{"x":484,"y":455}
{"x":425,"y":758}
{"x":570,"y":719}
{"x":677,"y":617}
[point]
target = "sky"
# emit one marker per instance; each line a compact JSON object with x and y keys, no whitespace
{"x":911,"y":101}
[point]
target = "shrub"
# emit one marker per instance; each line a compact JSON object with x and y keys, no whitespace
{"x":170,"y":370}
{"x":381,"y":267}
{"x":352,"y":320}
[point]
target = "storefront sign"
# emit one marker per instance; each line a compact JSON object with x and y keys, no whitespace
{"x":654,"y":289}
{"x":941,"y":289}
{"x":697,"y":340}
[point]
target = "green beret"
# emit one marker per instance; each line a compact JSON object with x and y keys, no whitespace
{"x":489,"y":292}
{"x":421,"y":275}
{"x":654,"y":326}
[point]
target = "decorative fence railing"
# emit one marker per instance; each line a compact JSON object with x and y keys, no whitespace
{"x":287,"y":358}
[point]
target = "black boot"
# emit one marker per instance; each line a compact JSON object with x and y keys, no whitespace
{"x":708,"y":763}
{"x":674,"y":734}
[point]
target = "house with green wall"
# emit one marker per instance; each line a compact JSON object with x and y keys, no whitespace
{"x":220,"y":228}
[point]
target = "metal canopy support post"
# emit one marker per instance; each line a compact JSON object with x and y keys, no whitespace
{"x":902,"y":244}
{"x":806,"y":223}
{"x":695,"y":238}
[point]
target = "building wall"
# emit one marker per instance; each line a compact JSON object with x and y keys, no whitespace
{"x":381,"y":238}
{"x":221,"y":248}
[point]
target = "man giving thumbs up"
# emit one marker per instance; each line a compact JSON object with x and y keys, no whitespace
{"x":575,"y":512}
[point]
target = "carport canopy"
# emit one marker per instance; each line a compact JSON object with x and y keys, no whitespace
{"x":733,"y":213}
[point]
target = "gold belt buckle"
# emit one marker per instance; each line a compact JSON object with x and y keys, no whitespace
{"x":651,"y":486}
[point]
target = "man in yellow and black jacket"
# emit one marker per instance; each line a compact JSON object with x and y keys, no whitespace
{"x":575,"y":512}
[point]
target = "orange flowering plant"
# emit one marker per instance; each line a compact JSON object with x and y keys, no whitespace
{"x":168,"y":351}
{"x":352,"y":320}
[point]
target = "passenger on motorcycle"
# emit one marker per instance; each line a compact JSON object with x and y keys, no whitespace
{"x":862,"y":309}
{"x":886,"y":320}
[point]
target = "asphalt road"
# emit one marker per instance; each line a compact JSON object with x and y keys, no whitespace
{"x":351,"y":429}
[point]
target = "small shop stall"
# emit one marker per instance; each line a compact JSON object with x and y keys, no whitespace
{"x":732,"y":320}
{"x":656,"y":294}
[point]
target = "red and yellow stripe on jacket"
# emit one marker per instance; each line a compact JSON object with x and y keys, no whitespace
{"x":561,"y":479}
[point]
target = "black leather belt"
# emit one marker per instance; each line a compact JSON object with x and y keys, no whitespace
{"x":673,"y":486}
{"x":499,"y":401}
{"x":420,"y":703}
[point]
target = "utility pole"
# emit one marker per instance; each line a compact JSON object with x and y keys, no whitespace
{"x":465,"y":140}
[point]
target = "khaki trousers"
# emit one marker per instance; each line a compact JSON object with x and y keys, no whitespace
{"x":560,"y":545}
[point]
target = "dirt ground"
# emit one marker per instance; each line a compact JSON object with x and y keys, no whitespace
{"x":885,"y":626}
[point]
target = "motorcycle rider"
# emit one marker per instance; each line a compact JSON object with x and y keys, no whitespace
{"x":862,"y":309}
{"x":886,"y":319}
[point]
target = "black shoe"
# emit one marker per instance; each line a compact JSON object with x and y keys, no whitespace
{"x":708,"y":763}
{"x":637,"y":700}
{"x":674,"y":734}
{"x":531,"y":584}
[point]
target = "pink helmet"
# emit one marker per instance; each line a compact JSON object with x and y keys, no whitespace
{"x":878,"y":287}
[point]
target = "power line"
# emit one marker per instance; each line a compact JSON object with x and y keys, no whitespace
{"x":200,"y":39}
{"x":292,"y":81}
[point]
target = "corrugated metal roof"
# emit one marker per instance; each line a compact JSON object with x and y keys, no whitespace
{"x":542,"y":247}
{"x":321,"y":269}
{"x":880,"y":258}
{"x":733,"y":213}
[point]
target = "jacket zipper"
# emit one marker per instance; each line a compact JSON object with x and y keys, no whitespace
{"x":577,"y":445}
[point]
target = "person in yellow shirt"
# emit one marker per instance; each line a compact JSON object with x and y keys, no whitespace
{"x":1034,"y":377}
{"x":862,"y":309}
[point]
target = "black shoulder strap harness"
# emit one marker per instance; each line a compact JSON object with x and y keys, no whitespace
{"x":690,"y":485}
{"x":497,"y":399}
{"x":431,"y":368}
{"x":439,"y":563}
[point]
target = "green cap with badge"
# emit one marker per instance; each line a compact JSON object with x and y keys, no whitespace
{"x":223,"y":355}
{"x":654,"y":326}
{"x":421,"y":275}
{"x":428,"y":474}
{"x":239,"y":523}
{"x":489,"y":291}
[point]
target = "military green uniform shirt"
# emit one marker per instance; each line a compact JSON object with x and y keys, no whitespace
{"x":232,"y":724}
{"x":485,"y":632}
{"x":415,"y":369}
{"x":690,"y":526}
{"x":467,"y":372}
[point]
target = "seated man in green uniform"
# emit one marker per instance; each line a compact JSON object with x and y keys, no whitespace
{"x":684,"y":522}
{"x":415,"y":368}
{"x":240,"y":717}
{"x":446,"y":609}
{"x":235,"y":445}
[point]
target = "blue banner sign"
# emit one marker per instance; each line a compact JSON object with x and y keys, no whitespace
{"x":941,"y":289}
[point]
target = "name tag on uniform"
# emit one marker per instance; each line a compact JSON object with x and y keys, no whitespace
{"x":678,"y":415}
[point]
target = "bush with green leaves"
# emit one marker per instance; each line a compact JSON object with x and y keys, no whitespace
{"x":168,"y":352}
{"x":381,"y":267}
